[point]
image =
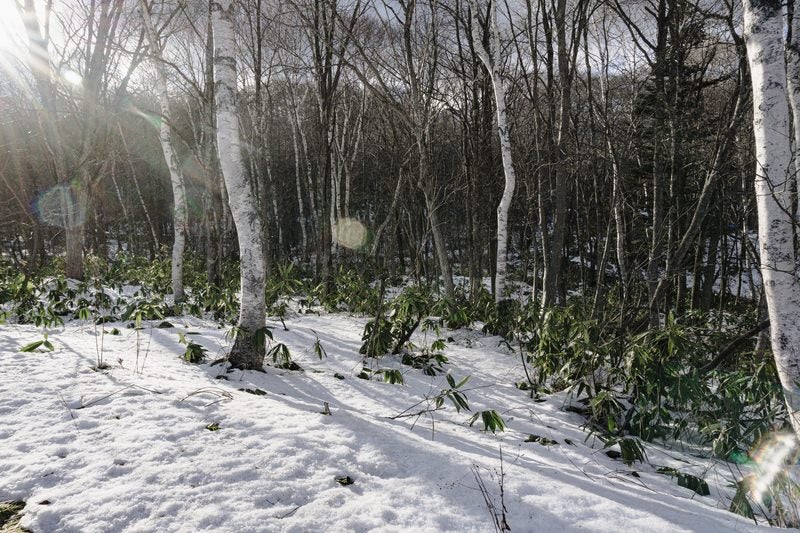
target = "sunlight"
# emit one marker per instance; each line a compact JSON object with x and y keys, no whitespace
{"x":71,"y":77}
{"x":13,"y":50}
{"x":12,"y":37}
{"x":59,"y":206}
{"x":151,"y":118}
{"x":411,"y":266}
{"x":349,"y":233}
{"x":770,"y":458}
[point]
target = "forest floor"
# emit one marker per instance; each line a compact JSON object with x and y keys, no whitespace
{"x":153,"y":443}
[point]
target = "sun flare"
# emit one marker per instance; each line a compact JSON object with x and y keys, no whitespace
{"x":13,"y":53}
{"x":12,"y":36}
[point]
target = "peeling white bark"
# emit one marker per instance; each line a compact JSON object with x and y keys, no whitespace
{"x":246,"y":352}
{"x":492,"y":63}
{"x":763,"y":26}
{"x":179,"y":215}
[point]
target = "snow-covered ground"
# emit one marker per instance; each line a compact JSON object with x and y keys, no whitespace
{"x":119,"y":450}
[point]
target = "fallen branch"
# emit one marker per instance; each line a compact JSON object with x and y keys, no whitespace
{"x":734,"y":346}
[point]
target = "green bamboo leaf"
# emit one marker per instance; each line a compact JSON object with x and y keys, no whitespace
{"x":32,"y":346}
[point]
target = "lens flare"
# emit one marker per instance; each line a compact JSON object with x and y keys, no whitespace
{"x":152,"y":118}
{"x":72,"y":77}
{"x":60,"y":206}
{"x":349,"y":233}
{"x":770,"y":459}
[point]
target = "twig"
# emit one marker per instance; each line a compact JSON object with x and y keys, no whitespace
{"x":115,"y":393}
{"x":733,"y":346}
{"x":224,"y":395}
{"x":290,"y":513}
{"x":71,"y":414}
{"x":499,"y":520}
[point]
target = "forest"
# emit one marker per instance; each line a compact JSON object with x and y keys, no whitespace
{"x":536,"y":260}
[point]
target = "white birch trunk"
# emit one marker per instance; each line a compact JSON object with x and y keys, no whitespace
{"x":179,"y":215}
{"x":492,"y":64}
{"x":763,"y":25}
{"x":300,"y":206}
{"x":247,"y":352}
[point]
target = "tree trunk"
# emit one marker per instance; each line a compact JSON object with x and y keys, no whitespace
{"x":300,"y":207}
{"x":389,"y":216}
{"x":179,"y":215}
{"x":139,"y":196}
{"x":429,"y":192}
{"x":763,"y":26}
{"x":553,"y":263}
{"x":73,"y":262}
{"x":248,"y":349}
{"x":793,"y":78}
{"x":492,"y":64}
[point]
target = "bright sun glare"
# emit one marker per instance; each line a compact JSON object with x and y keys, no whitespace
{"x":12,"y":44}
{"x":14,"y":47}
{"x":11,"y":34}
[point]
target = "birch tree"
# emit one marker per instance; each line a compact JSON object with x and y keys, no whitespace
{"x":763,"y":26}
{"x":492,"y":61}
{"x":165,"y":138}
{"x":248,"y":349}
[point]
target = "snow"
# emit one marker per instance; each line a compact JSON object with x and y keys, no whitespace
{"x":119,"y":450}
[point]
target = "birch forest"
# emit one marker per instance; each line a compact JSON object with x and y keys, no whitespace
{"x":604,"y":191}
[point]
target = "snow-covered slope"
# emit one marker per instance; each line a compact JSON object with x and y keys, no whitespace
{"x":117,"y":450}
